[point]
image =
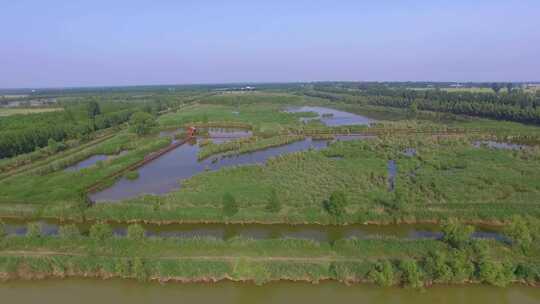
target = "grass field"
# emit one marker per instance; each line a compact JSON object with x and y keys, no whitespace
{"x":15,"y":111}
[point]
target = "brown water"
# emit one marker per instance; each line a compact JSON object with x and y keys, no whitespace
{"x":117,"y":291}
{"x":259,"y":231}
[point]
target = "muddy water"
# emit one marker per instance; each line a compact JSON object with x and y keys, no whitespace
{"x":259,"y":231}
{"x":117,"y":291}
{"x":165,"y":173}
{"x":332,"y":117}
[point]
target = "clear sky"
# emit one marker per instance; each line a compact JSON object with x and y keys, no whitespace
{"x":116,"y":42}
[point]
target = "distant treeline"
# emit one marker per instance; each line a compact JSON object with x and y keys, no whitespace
{"x":515,"y":105}
{"x":25,"y":133}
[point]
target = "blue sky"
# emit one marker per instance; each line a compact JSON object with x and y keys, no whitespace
{"x":71,"y":43}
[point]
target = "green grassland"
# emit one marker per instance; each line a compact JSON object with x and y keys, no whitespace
{"x":17,"y":111}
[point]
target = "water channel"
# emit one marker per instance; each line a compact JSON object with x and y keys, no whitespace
{"x":92,"y":291}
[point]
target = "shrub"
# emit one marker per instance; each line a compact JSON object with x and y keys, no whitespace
{"x":274,"y":205}
{"x":520,"y":234}
{"x":495,"y":273}
{"x":69,"y":231}
{"x":335,"y":205}
{"x":462,"y":267}
{"x":141,"y":122}
{"x":383,"y":274}
{"x":456,"y":234}
{"x":230,"y":207}
{"x":411,"y":274}
{"x":132,"y":175}
{"x":139,"y":269}
{"x":437,"y":267}
{"x":33,"y":230}
{"x":135,"y":232}
{"x":101,"y":231}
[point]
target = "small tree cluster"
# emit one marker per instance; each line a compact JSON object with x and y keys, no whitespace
{"x":335,"y":205}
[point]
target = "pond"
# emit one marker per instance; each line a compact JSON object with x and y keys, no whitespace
{"x":163,"y":175}
{"x":332,"y":117}
{"x":318,"y":233}
{"x":125,"y":291}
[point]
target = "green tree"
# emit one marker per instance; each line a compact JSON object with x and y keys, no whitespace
{"x":519,"y":232}
{"x":456,"y":234}
{"x":136,"y":232}
{"x":139,"y":269}
{"x":383,"y":273}
{"x":230,"y":206}
{"x":274,"y":205}
{"x":52,"y":145}
{"x":142,"y":122}
{"x":93,"y":110}
{"x":496,"y":273}
{"x":461,"y":265}
{"x":411,"y":274}
{"x":335,"y":205}
{"x":437,"y":267}
{"x":413,"y":109}
{"x":101,"y":231}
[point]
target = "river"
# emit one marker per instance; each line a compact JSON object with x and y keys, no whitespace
{"x":117,"y":291}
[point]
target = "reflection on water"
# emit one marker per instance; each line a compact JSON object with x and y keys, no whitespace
{"x":318,"y":233}
{"x":332,"y":117}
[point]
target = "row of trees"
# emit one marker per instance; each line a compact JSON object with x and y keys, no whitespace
{"x":517,"y":105}
{"x":21,"y":134}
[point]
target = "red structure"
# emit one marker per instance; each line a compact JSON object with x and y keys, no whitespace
{"x":191,"y":131}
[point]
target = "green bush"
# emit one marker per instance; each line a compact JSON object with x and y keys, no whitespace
{"x":135,"y":232}
{"x":436,"y":266}
{"x":456,"y":234}
{"x":336,"y":204}
{"x":132,"y":175}
{"x":411,"y":274}
{"x":495,"y":273}
{"x":383,"y":274}
{"x":139,"y":269}
{"x":520,"y":234}
{"x":101,"y":231}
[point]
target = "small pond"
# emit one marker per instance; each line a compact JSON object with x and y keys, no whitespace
{"x":165,"y":173}
{"x":332,"y":117}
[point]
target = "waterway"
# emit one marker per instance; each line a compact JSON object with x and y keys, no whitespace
{"x":92,"y":291}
